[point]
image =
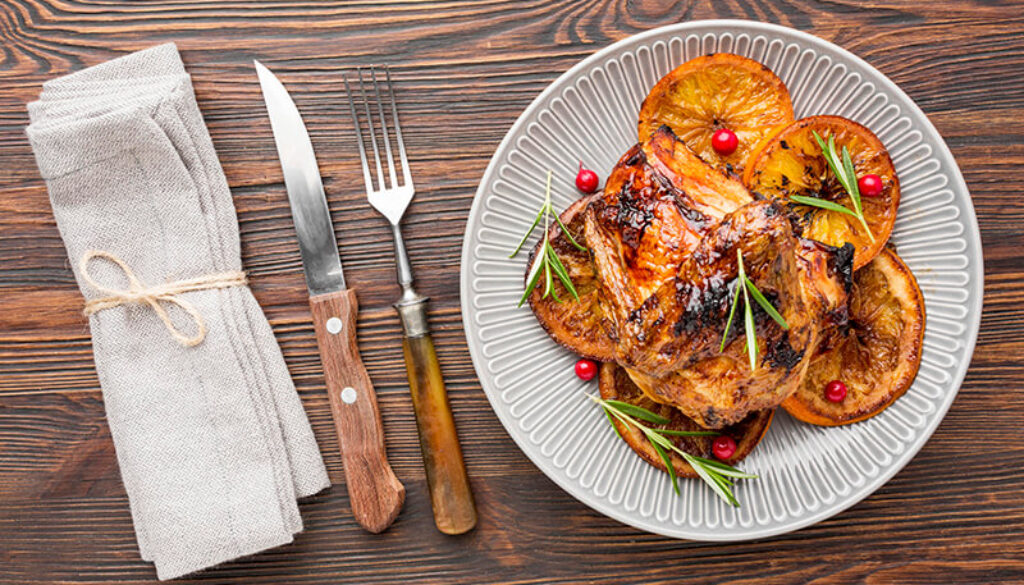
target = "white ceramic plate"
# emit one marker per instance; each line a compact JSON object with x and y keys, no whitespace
{"x":806,"y":473}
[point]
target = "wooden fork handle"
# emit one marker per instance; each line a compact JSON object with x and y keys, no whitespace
{"x":375,"y":493}
{"x":450,"y":493}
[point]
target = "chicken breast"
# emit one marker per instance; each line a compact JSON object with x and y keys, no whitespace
{"x":657,"y":204}
{"x":663,"y":239}
{"x":677,"y":359}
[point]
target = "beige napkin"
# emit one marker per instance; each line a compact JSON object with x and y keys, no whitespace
{"x":213,"y":443}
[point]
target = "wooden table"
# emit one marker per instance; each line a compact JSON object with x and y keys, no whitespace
{"x":466,"y":71}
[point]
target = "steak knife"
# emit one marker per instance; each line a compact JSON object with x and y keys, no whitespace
{"x":375,"y":493}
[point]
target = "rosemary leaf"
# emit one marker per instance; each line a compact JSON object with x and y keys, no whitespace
{"x":748,"y":288}
{"x":550,"y":252}
{"x":829,"y":152}
{"x":850,"y":181}
{"x":562,"y":273}
{"x":565,"y":231}
{"x":722,"y":481}
{"x":748,"y":316}
{"x":854,"y":191}
{"x":547,"y":277}
{"x":822,"y":203}
{"x":768,"y":308}
{"x":655,"y":437}
{"x":532,"y":281}
{"x":638,"y":411}
{"x":556,"y":265}
{"x":723,"y":491}
{"x":555,"y":296}
{"x":726,"y":486}
{"x":536,"y":220}
{"x":674,"y":433}
{"x":725,"y":468}
{"x":864,"y":222}
{"x":732,"y":313}
{"x":671,"y":469}
{"x":611,"y":421}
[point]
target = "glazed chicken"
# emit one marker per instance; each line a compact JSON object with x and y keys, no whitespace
{"x":662,"y":274}
{"x":673,"y":348}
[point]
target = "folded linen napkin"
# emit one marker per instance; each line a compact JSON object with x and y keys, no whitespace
{"x":212,"y":441}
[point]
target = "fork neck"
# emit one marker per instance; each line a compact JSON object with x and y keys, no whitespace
{"x":402,"y":261}
{"x":412,"y":305}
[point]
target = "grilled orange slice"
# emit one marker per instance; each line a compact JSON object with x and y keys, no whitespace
{"x":791,"y":163}
{"x":716,"y":91}
{"x":878,"y":357}
{"x":579,"y":326}
{"x":616,"y":384}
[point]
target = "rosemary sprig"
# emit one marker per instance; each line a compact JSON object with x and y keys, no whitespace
{"x":748,"y":314}
{"x":745,"y":285}
{"x":714,"y":473}
{"x":547,"y":261}
{"x":842,"y":168}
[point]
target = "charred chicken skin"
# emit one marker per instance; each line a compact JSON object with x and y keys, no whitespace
{"x":663,"y":239}
{"x":657,"y":204}
{"x":682,"y":324}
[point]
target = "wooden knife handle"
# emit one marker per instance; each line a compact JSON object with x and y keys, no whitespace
{"x":450,"y":492}
{"x":375,"y":493}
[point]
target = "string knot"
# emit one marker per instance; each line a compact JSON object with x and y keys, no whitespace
{"x":139,"y":294}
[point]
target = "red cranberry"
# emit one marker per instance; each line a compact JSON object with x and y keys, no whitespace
{"x":724,"y":141}
{"x":586,"y":369}
{"x":586,"y":180}
{"x":723,"y":447}
{"x":835,"y":391}
{"x":870,"y":185}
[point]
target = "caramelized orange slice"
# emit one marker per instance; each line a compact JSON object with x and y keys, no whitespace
{"x":878,"y":357}
{"x":579,"y":326}
{"x":791,"y":163}
{"x":716,"y":91}
{"x":615,"y":384}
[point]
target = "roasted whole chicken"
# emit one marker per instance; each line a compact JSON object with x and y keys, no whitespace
{"x":659,"y":276}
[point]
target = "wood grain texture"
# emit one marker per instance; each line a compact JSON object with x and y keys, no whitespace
{"x":375,"y":494}
{"x":464,"y":71}
{"x":451,"y":494}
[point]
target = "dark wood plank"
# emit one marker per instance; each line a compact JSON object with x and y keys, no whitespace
{"x":466,"y":71}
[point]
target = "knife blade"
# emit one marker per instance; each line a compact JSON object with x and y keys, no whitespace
{"x":375,"y":494}
{"x":313,"y":225}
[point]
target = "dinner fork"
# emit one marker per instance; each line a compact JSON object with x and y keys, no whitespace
{"x":450,"y":493}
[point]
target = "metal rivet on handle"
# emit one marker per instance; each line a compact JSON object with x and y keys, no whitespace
{"x":348,"y":395}
{"x":334,"y":327}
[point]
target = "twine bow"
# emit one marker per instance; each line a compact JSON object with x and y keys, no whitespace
{"x":138,"y":293}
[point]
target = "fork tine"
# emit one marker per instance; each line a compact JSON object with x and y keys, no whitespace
{"x":406,"y":175}
{"x":384,"y":129}
{"x":373,"y":137}
{"x":359,"y":136}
